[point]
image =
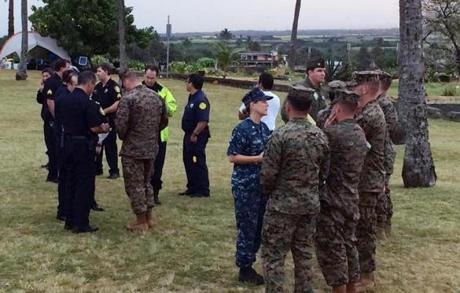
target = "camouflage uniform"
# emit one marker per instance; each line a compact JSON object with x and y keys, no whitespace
{"x":372,"y":121}
{"x":384,"y":205}
{"x":336,"y":230}
{"x":140,"y":116}
{"x":248,"y":139}
{"x":296,"y":162}
{"x":320,"y":97}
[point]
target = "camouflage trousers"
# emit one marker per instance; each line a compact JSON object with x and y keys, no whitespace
{"x":366,"y":231}
{"x":336,"y":247}
{"x":384,"y":207}
{"x":249,"y":213}
{"x":281,"y":233}
{"x":136,"y":174}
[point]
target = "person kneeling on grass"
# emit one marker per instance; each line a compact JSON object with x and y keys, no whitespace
{"x":245,"y":151}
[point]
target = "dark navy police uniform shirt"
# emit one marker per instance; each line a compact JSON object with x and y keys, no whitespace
{"x":50,"y":88}
{"x":107,"y":95}
{"x":79,"y":114}
{"x":196,"y":110}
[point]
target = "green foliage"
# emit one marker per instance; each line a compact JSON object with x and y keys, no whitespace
{"x":225,"y":55}
{"x":86,"y":26}
{"x":450,"y":91}
{"x":100,"y":59}
{"x":225,"y":35}
{"x":206,"y":62}
{"x":179,"y":67}
{"x":254,"y":46}
{"x":136,"y":65}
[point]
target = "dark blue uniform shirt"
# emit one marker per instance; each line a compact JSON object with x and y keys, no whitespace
{"x":50,"y":88}
{"x":248,"y":139}
{"x":79,"y":114}
{"x":196,"y":110}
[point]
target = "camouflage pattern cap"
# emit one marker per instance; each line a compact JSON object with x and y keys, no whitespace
{"x":366,"y":75}
{"x":345,"y":95}
{"x":299,"y":91}
{"x":315,"y":63}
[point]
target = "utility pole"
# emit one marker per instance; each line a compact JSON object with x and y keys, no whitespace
{"x":168,"y":39}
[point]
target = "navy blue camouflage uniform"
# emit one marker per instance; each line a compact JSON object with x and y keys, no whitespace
{"x":248,"y":139}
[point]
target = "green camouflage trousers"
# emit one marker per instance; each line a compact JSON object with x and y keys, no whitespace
{"x":336,"y":247}
{"x":384,"y":207}
{"x":366,"y":231}
{"x":136,"y":174}
{"x":281,"y":233}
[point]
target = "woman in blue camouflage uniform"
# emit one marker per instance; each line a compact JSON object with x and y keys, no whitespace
{"x":245,"y":151}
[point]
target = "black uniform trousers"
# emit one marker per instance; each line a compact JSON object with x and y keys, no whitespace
{"x":111,"y":152}
{"x":78,"y":174}
{"x":194,"y":158}
{"x":50,"y":142}
{"x":156,"y":181}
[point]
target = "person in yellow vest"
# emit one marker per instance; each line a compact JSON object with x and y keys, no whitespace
{"x":151,"y":75}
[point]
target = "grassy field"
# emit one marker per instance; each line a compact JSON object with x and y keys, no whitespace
{"x":192,"y":247}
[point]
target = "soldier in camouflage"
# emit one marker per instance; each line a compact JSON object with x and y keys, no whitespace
{"x":140,"y":116}
{"x":336,"y":248}
{"x":295,"y":164}
{"x":372,"y":120}
{"x":245,"y":151}
{"x":335,"y":88}
{"x":394,"y":132}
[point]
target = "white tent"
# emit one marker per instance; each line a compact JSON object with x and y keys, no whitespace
{"x":13,"y":45}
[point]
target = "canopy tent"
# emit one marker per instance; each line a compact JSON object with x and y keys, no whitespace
{"x":13,"y":45}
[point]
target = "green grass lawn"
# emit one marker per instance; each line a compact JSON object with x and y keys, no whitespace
{"x":192,"y":247}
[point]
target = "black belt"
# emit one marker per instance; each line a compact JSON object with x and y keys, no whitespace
{"x":77,"y":137}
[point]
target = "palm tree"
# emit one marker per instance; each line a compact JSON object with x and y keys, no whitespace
{"x":418,"y":168}
{"x":10,"y":17}
{"x":295,"y":25}
{"x":225,"y":56}
{"x":122,"y":35}
{"x":21,"y":74}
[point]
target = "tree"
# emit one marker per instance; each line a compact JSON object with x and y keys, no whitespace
{"x":21,"y":74}
{"x":84,"y":26}
{"x":10,"y":17}
{"x":254,"y":46}
{"x":225,"y":35}
{"x":225,"y":56}
{"x":442,"y":23}
{"x":418,"y":168}
{"x":363,"y":59}
{"x":293,"y":46}
{"x":122,"y":35}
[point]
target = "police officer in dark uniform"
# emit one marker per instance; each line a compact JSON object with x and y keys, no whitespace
{"x":50,"y":88}
{"x":41,"y":99}
{"x":196,"y":135}
{"x":81,"y":120}
{"x":108,"y":94}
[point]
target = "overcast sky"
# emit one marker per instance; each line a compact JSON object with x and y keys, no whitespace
{"x":214,"y":15}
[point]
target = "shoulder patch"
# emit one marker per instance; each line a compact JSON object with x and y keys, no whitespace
{"x":202,"y":106}
{"x":117,"y":89}
{"x":101,"y":111}
{"x":49,"y":92}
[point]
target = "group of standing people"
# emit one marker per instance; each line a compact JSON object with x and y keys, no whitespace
{"x":318,"y":183}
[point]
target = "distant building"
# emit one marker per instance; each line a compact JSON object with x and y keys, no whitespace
{"x":255,"y":59}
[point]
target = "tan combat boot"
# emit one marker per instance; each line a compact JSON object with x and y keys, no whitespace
{"x":139,"y":225}
{"x":366,"y":283}
{"x":149,"y":218}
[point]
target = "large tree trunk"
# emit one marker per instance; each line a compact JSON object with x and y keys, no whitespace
{"x":21,"y":74}
{"x":418,"y":168}
{"x":10,"y":18}
{"x":122,"y":35}
{"x":293,"y":46}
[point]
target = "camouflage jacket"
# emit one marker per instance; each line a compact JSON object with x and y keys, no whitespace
{"x":348,"y":147}
{"x":248,"y":139}
{"x":321,"y":97}
{"x":372,"y":121}
{"x":296,"y":162}
{"x":393,"y":129}
{"x":140,"y":116}
{"x":322,"y":117}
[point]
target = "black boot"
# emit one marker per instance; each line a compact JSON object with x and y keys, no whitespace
{"x":155,"y":197}
{"x":250,"y":276}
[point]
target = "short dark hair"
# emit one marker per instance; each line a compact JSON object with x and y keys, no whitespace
{"x":197,"y":80}
{"x":68,"y":74}
{"x":266,"y":80}
{"x":129,"y":74}
{"x":348,"y":104}
{"x":301,"y":104}
{"x":86,"y":77}
{"x":48,"y":70}
{"x":105,"y":66}
{"x":152,"y":68}
{"x":60,"y":63}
